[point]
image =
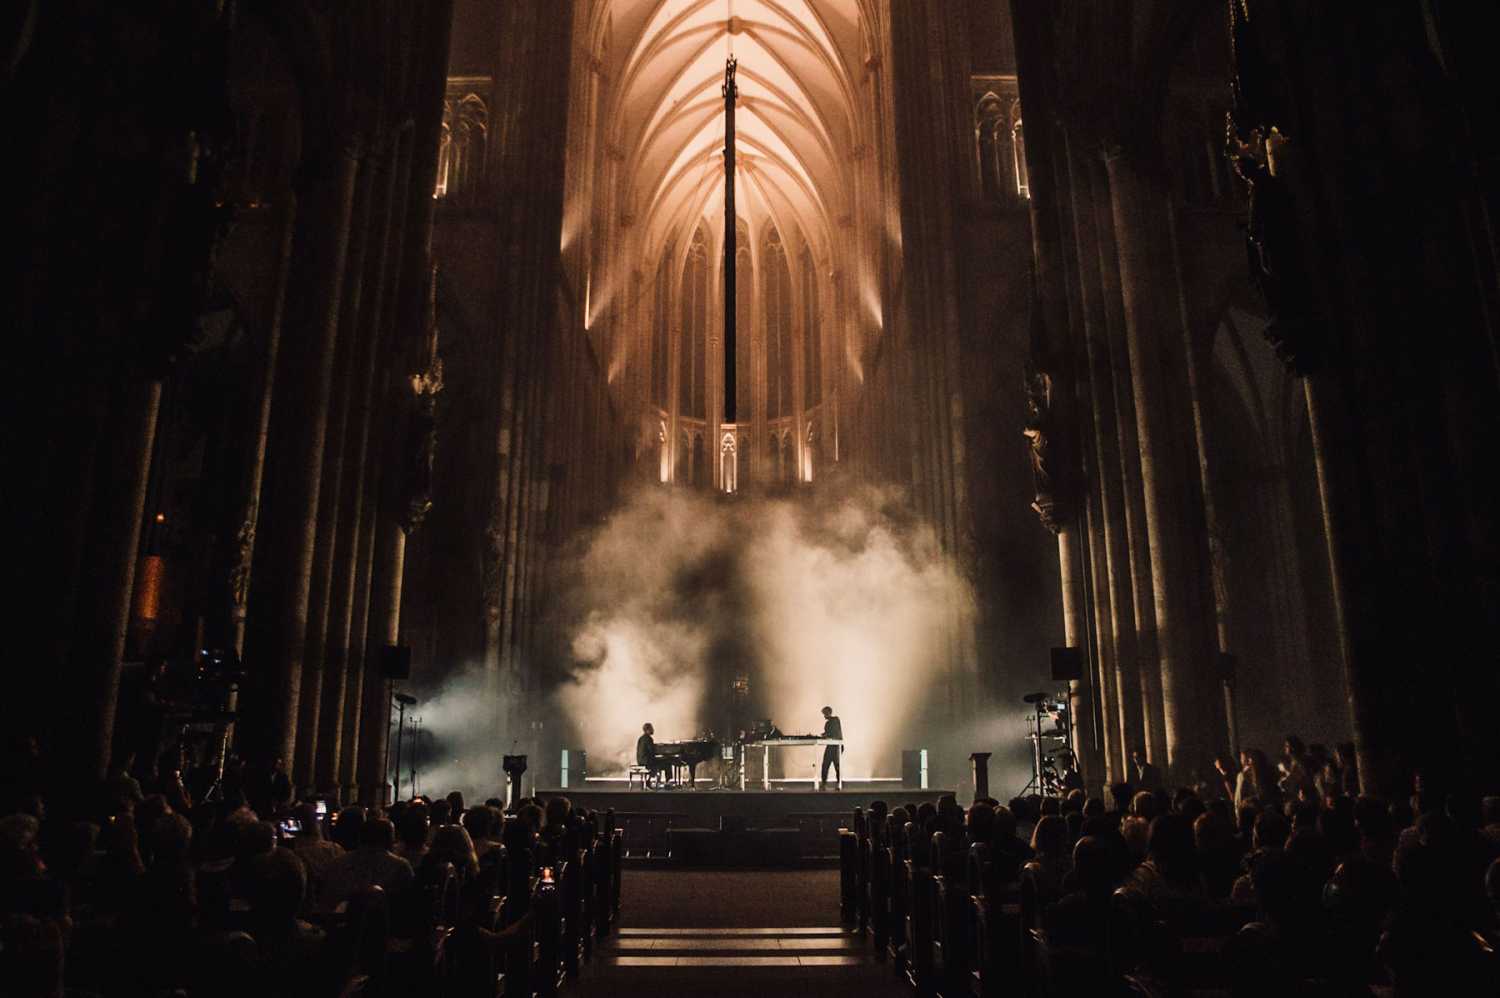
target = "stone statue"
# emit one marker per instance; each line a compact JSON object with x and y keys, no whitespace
{"x":426,"y":385}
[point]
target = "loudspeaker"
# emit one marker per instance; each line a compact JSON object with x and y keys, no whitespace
{"x":575,"y":769}
{"x":914,"y":769}
{"x":395,"y":662}
{"x":1067,"y":664}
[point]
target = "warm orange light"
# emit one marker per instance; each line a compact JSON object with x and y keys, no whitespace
{"x":148,"y":589}
{"x":161,"y":518}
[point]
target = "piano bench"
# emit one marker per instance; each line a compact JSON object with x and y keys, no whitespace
{"x":635,"y":772}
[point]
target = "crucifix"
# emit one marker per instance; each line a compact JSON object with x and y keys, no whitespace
{"x":730,"y":93}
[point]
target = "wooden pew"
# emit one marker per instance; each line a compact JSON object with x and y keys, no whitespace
{"x":997,"y":926}
{"x":848,"y":877}
{"x":900,"y":895}
{"x":951,"y":917}
{"x":878,"y":890}
{"x":919,"y":911}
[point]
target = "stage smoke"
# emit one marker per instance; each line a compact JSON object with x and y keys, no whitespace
{"x":840,"y":597}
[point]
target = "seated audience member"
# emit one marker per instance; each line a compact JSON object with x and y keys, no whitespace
{"x":556,"y":814}
{"x":315,"y":851}
{"x":1081,"y":917}
{"x":450,"y":844}
{"x":1008,"y":851}
{"x":480,"y":822}
{"x":1431,"y":948}
{"x":346,"y":827}
{"x":1218,"y":857}
{"x":1269,"y":837}
{"x":979,"y":823}
{"x":413,"y":829}
{"x":288,"y":949}
{"x":1136,"y":831}
{"x":1168,"y":879}
{"x":373,"y":863}
{"x":1052,"y":860}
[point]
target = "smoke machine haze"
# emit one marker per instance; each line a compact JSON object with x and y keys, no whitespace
{"x":841,"y":599}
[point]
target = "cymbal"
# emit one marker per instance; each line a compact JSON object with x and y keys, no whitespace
{"x":1034,"y":697}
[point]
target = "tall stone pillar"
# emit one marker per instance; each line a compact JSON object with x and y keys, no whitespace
{"x":1148,"y":285}
{"x":351,"y":346}
{"x":341,"y":648}
{"x":1118,"y":622}
{"x":1132,"y":497}
{"x":108,"y":580}
{"x":298,"y":433}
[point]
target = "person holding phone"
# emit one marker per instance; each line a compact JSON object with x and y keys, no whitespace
{"x":305,"y":831}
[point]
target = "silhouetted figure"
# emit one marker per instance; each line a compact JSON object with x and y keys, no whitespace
{"x":1143,"y":775}
{"x":645,"y":750}
{"x":832,"y":728}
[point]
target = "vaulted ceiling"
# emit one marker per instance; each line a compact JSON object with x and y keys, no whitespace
{"x":797,"y":119}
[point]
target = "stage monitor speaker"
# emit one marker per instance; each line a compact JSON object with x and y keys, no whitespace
{"x":1067,"y":664}
{"x":575,"y":768}
{"x":914,"y":769}
{"x":395,"y":662}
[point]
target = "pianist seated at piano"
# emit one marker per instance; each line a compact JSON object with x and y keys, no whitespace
{"x":645,"y":751}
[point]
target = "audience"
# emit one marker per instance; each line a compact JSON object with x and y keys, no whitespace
{"x":1309,"y":887}
{"x":1279,"y":880}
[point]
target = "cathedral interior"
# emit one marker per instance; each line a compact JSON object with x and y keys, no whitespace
{"x":564,"y":366}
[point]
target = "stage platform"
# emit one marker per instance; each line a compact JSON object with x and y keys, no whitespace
{"x":764,"y":827}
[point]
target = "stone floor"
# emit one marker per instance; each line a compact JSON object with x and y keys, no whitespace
{"x":731,"y":934}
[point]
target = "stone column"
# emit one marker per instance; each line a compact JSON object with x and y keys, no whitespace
{"x":363,"y":670}
{"x":240,"y":573}
{"x":299,"y":422}
{"x":1132,"y":498}
{"x":1148,"y":285}
{"x":108,"y":580}
{"x":351,"y":347}
{"x":1118,"y":622}
{"x":339,"y":646}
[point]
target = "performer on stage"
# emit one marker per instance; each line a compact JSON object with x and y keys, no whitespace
{"x":831,"y":729}
{"x":645,"y":750}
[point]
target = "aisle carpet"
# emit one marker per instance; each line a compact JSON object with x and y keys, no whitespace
{"x":734,"y":934}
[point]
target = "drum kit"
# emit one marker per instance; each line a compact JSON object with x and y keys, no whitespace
{"x":1051,"y":724}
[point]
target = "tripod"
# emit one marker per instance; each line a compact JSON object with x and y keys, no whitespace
{"x":1044,"y":778}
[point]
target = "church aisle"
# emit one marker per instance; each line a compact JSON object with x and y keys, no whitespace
{"x":723,"y":934}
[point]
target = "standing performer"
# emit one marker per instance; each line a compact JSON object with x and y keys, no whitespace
{"x":831,"y":729}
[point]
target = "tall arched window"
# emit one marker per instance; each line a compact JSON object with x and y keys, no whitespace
{"x":662,"y":319}
{"x":778,"y":311}
{"x":744,"y":337}
{"x":812,"y":338}
{"x":692,"y":392}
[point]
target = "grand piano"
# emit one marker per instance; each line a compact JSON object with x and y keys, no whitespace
{"x":674,"y":757}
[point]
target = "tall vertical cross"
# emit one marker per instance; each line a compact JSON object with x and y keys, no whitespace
{"x":730,"y":93}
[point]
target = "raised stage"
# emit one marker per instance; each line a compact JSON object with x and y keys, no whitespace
{"x":775,"y":827}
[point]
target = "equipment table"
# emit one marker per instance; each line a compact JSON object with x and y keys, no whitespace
{"x":765,"y":745}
